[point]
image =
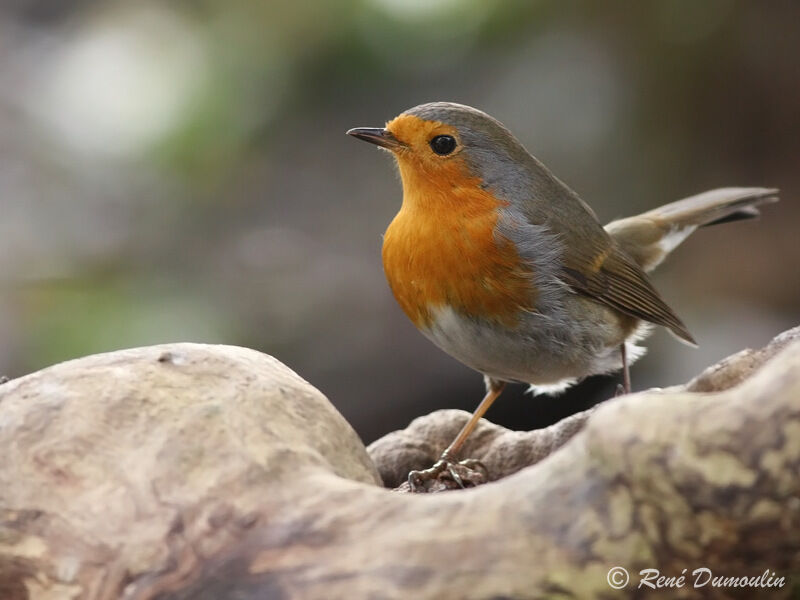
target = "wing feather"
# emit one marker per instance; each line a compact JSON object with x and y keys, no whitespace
{"x":618,"y":282}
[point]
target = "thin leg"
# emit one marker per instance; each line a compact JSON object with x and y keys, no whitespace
{"x":447,"y":461}
{"x":626,"y":375}
{"x":493,"y":390}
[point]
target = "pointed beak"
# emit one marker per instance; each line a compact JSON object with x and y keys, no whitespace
{"x":378,"y":136}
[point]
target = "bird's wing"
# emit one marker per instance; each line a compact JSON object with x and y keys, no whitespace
{"x":608,"y":275}
{"x":594,"y":264}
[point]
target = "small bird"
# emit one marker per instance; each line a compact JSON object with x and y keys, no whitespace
{"x":505,"y":268}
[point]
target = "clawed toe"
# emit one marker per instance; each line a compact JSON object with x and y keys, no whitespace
{"x":418,"y":479}
{"x":475,"y":465}
{"x":447,"y":475}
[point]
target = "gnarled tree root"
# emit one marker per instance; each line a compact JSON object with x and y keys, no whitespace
{"x":212,"y":472}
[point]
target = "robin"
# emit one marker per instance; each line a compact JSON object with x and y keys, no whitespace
{"x":505,"y":268}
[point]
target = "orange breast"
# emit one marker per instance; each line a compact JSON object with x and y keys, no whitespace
{"x":442,"y":250}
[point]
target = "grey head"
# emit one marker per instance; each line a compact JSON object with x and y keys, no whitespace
{"x":503,"y":164}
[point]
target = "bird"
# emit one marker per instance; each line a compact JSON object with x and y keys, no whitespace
{"x":505,"y":268}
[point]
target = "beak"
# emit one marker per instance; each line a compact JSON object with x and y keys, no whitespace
{"x":378,"y":136}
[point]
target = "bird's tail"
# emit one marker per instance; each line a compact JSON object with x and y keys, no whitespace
{"x":648,"y":238}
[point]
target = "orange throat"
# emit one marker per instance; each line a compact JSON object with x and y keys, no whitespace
{"x":442,"y":249}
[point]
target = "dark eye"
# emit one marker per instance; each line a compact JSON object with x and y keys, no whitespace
{"x":443,"y":144}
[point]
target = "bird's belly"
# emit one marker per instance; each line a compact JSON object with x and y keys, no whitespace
{"x":502,"y":353}
{"x":548,"y":352}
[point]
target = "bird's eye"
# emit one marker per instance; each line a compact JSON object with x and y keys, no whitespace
{"x":443,"y":144}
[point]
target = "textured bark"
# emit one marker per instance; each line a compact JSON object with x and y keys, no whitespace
{"x":208,"y":472}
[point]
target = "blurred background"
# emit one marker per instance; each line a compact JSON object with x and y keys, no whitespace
{"x":179,"y":171}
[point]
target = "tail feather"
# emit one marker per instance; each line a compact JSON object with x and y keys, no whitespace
{"x":648,"y":238}
{"x":713,"y":206}
{"x":740,"y":215}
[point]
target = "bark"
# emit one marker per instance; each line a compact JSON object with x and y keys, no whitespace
{"x":212,"y":472}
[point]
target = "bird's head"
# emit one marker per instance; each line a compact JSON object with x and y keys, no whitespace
{"x":443,"y":146}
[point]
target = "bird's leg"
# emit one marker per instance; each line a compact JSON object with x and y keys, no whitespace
{"x":493,"y":390}
{"x":447,"y":461}
{"x":625,"y":388}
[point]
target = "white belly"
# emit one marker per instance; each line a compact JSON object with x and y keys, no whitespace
{"x":550,"y":354}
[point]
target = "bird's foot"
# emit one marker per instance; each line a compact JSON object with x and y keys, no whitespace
{"x":446,"y":474}
{"x":620,"y":391}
